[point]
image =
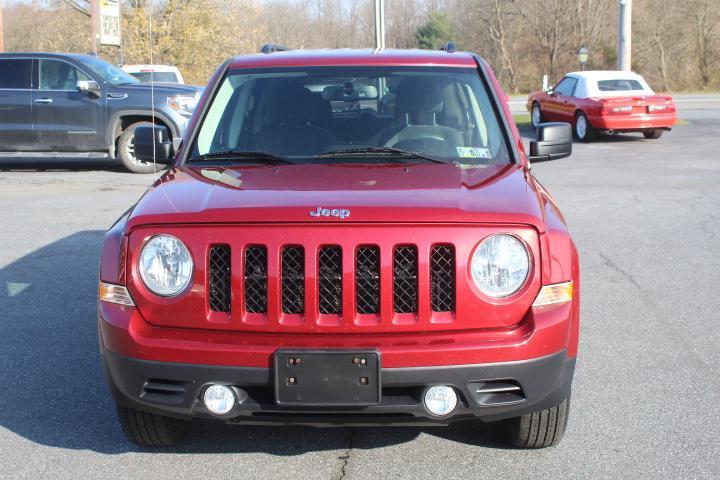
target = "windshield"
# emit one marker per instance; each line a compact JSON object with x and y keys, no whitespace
{"x":107,"y":71}
{"x":166,"y":77}
{"x":306,"y":114}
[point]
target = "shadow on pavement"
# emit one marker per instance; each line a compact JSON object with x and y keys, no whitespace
{"x":528,"y":133}
{"x":53,"y":391}
{"x":47,"y":162}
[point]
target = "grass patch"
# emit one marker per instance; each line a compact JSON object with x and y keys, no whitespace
{"x":522,"y":119}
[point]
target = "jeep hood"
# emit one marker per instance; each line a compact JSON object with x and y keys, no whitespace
{"x":430,"y":193}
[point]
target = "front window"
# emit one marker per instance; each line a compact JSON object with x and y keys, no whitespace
{"x":367,"y":114}
{"x":107,"y":71}
{"x":566,"y":86}
{"x":59,"y":75}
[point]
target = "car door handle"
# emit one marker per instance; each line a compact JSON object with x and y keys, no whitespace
{"x":43,"y":100}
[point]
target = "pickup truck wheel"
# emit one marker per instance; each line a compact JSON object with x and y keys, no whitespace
{"x":126,"y":151}
{"x":539,"y":429}
{"x":536,"y":117}
{"x":150,"y":430}
{"x":652,"y":134}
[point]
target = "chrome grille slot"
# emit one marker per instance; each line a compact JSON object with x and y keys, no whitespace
{"x":442,"y":278}
{"x":255,"y":276}
{"x":367,"y":279}
{"x":405,"y":279}
{"x":219,"y":277}
{"x":496,"y":392}
{"x":330,"y":280}
{"x":293,"y":280}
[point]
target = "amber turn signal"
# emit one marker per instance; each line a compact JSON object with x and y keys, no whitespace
{"x":551,"y":294}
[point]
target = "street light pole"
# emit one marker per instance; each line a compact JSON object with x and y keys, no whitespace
{"x":2,"y":35}
{"x":624,"y":42}
{"x":94,"y":24}
{"x":379,"y":24}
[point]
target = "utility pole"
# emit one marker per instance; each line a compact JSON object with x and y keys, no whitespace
{"x":379,"y":24}
{"x":94,"y":24}
{"x":2,"y":34}
{"x":624,"y":42}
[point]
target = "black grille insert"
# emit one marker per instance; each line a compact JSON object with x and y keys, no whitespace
{"x":256,"y":279}
{"x":442,"y":278}
{"x":219,"y":278}
{"x":293,"y":280}
{"x":405,"y":279}
{"x":330,"y":280}
{"x":367,"y":279}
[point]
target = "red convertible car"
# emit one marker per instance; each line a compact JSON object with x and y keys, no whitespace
{"x":344,"y":237}
{"x":603,"y":101}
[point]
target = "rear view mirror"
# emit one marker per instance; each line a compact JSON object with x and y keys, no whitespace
{"x":554,"y":140}
{"x":152,"y":143}
{"x":89,"y":86}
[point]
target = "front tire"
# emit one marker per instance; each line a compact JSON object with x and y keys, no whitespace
{"x":126,"y":151}
{"x":584,"y":132}
{"x":652,"y":134}
{"x":148,"y":429}
{"x":539,"y":429}
{"x":536,"y":116}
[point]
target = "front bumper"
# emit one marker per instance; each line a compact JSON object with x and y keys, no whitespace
{"x":175,"y":389}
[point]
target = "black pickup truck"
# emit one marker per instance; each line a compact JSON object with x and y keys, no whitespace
{"x":71,"y":103}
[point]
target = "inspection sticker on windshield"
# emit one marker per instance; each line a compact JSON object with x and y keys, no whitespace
{"x":472,"y":152}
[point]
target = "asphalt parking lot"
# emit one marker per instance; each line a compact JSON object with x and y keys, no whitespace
{"x":646,"y":400}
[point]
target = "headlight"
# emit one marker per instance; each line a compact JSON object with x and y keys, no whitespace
{"x":165,"y":265}
{"x":500,"y":265}
{"x":183,"y":104}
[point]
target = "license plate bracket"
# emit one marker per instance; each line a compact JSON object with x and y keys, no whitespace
{"x":327,"y":378}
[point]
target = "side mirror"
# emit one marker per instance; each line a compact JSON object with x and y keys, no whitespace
{"x":90,"y":87}
{"x":554,"y":140}
{"x":152,"y":143}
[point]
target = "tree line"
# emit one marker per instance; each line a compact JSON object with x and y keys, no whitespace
{"x":676,"y":44}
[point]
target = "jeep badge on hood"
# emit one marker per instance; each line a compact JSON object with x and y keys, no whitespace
{"x":326,"y":212}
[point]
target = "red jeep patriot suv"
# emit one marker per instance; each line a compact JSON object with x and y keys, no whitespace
{"x":348,"y":237}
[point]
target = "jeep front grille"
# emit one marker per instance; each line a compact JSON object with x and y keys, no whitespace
{"x":367,"y":279}
{"x":442,"y":278}
{"x":330,"y":280}
{"x":405,"y":287}
{"x":255,"y":276}
{"x":293,"y":280}
{"x":330,"y":290}
{"x":219,"y":277}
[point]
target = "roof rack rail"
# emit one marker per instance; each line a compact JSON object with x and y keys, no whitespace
{"x":271,"y":47}
{"x":449,"y":47}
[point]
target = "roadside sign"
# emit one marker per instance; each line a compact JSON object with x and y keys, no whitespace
{"x":110,"y":22}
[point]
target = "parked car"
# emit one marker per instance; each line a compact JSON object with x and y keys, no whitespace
{"x":604,"y":101}
{"x":313,"y":258}
{"x":154,"y":73}
{"x":81,"y":103}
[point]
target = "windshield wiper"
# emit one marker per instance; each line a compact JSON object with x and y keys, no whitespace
{"x":365,"y":151}
{"x":231,"y":156}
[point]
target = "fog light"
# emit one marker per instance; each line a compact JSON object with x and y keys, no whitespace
{"x":440,"y":400}
{"x":219,"y":399}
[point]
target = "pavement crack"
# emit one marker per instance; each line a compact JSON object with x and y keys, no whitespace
{"x":345,"y":457}
{"x":614,"y":266}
